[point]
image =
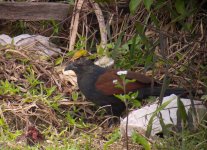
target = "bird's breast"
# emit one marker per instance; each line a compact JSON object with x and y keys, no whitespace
{"x":86,"y":85}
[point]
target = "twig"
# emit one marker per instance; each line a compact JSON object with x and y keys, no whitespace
{"x":74,"y":23}
{"x":127,"y":117}
{"x":101,"y":22}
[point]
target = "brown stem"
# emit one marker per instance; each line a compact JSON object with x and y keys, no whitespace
{"x":127,"y":112}
{"x":101,"y":22}
{"x":74,"y":23}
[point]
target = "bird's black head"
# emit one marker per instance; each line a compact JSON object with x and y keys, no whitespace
{"x":80,"y":65}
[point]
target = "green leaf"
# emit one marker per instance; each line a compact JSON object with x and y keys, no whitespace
{"x":126,"y":46}
{"x":133,"y":4}
{"x":50,"y":90}
{"x":110,"y":45}
{"x":114,"y":137}
{"x":149,"y":126}
{"x":100,"y":50}
{"x":187,"y":26}
{"x":148,"y":4}
{"x":121,"y":97}
{"x":8,"y":88}
{"x":119,"y":85}
{"x":204,"y":97}
{"x":181,"y":110}
{"x":117,"y":45}
{"x":70,"y":53}
{"x":164,"y":126}
{"x":178,"y":18}
{"x":180,"y":6}
{"x":134,"y":95}
{"x":75,"y":96}
{"x":149,"y":60}
{"x":140,"y":28}
{"x":70,"y":119}
{"x":129,"y":81}
{"x":160,"y":4}
{"x":154,"y":19}
{"x":136,"y":103}
{"x":137,"y":138}
{"x":2,"y":122}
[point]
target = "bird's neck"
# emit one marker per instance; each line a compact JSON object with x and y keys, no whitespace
{"x":87,"y":79}
{"x":90,"y":74}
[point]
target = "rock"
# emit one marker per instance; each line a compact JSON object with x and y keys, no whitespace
{"x":5,"y":39}
{"x":138,"y":119}
{"x":37,"y":43}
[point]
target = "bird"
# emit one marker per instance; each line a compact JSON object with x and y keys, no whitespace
{"x":98,"y":85}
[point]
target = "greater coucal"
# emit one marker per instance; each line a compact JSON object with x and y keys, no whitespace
{"x":97,"y":84}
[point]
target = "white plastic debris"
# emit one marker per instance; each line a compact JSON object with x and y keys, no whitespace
{"x":124,"y":72}
{"x":5,"y":39}
{"x":70,"y":76}
{"x":138,"y":119}
{"x":36,"y":43}
{"x":105,"y":62}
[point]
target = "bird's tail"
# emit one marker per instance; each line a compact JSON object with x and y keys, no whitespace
{"x":155,"y":91}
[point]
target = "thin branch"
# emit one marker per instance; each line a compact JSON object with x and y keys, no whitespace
{"x":74,"y":23}
{"x":101,"y":22}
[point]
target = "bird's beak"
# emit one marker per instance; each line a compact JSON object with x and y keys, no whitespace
{"x":70,"y":67}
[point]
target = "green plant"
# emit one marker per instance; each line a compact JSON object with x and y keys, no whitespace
{"x":59,"y":60}
{"x":137,"y":138}
{"x":81,"y":43}
{"x":3,"y":126}
{"x":21,"y":26}
{"x":126,"y":97}
{"x":55,"y":27}
{"x":8,"y":88}
{"x":31,"y":77}
{"x":77,"y":122}
{"x":49,"y":91}
{"x":112,"y":138}
{"x":149,"y":126}
{"x":179,"y":10}
{"x":184,"y":140}
{"x":136,"y":51}
{"x":75,"y":96}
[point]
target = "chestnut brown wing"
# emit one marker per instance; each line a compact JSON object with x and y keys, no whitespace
{"x":105,"y":83}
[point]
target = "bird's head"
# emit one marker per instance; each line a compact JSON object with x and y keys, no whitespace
{"x":80,"y":65}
